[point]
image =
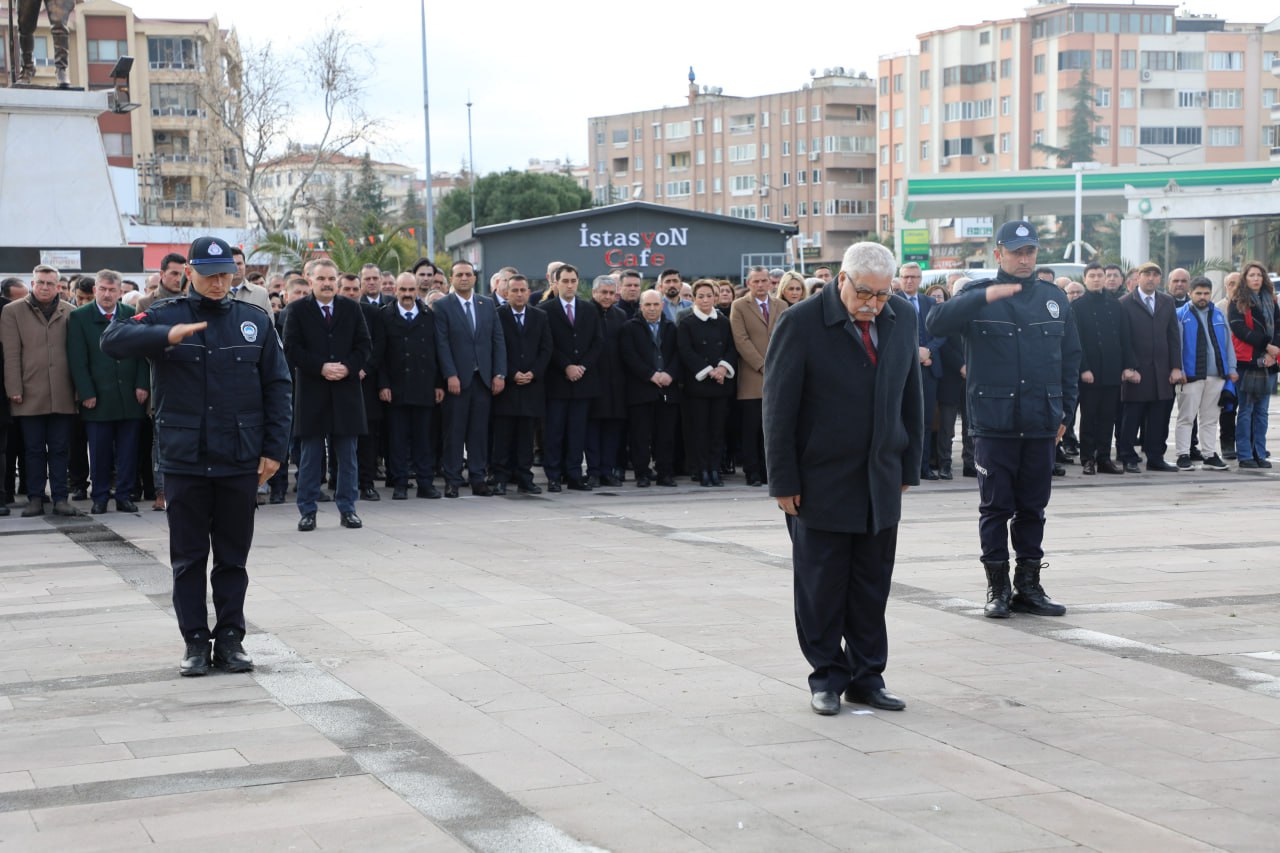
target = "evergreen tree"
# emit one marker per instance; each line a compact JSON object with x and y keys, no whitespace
{"x":1080,"y":135}
{"x":368,"y":197}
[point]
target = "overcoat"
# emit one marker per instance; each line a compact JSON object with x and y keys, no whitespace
{"x":406,"y":356}
{"x":321,"y":406}
{"x":1157,"y":347}
{"x":35,"y":358}
{"x":751,"y":337}
{"x":112,"y":382}
{"x":528,"y":350}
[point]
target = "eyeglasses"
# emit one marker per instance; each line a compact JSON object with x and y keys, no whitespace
{"x":866,"y":295}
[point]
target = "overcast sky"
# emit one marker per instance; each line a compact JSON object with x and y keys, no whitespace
{"x":535,"y":74}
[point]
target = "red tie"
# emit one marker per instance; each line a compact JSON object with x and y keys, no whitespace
{"x":764,"y":309}
{"x":328,"y":315}
{"x":568,"y":309}
{"x":865,"y":327}
{"x":109,"y":316}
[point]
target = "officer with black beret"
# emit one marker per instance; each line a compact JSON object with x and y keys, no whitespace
{"x":223,"y":399}
{"x":1022,"y":358}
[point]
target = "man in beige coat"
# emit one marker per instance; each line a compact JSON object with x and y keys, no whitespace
{"x":37,"y":378}
{"x":752,"y":319}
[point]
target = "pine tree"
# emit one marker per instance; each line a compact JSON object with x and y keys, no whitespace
{"x":1080,"y":135}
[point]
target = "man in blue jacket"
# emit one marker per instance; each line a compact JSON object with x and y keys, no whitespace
{"x":1022,"y":358}
{"x":1208,"y":362}
{"x":222,"y":411}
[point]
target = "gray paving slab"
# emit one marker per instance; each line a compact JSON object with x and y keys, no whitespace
{"x":618,"y":670}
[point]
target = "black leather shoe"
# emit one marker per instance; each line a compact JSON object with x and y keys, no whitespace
{"x":98,"y":508}
{"x":351,"y":520}
{"x":593,"y":481}
{"x":499,"y":488}
{"x":450,"y":491}
{"x":945,"y":473}
{"x":125,"y":505}
{"x":63,"y":508}
{"x":969,"y":471}
{"x":35,"y":506}
{"x":80,"y":495}
{"x":307,"y":523}
{"x":666,"y":482}
{"x":195,"y":661}
{"x":370,"y":494}
{"x":229,"y":655}
{"x":928,"y":474}
{"x":1059,"y":470}
{"x":530,"y":489}
{"x":481,"y":490}
{"x":715,"y":479}
{"x":825,"y":702}
{"x":553,"y":486}
{"x":754,"y":481}
{"x":576,"y":485}
{"x":1132,"y":468}
{"x":704,"y":479}
{"x":275,"y":499}
{"x":1089,"y":467}
{"x":4,"y":510}
{"x":399,"y":493}
{"x":611,"y":481}
{"x":642,"y":482}
{"x":878,"y":698}
{"x":1108,"y":466}
{"x":1160,"y":465}
{"x":430,"y":492}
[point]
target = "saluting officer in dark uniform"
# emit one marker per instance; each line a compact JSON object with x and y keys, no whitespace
{"x":222,"y":398}
{"x":1022,"y":357}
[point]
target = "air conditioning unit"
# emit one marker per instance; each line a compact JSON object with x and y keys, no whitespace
{"x":813,"y":158}
{"x":764,"y":191}
{"x":945,"y":161}
{"x":984,"y":159}
{"x":1145,"y":75}
{"x":162,"y":138}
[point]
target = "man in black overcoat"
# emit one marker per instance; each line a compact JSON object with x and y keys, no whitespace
{"x":607,"y":416}
{"x":844,"y":433}
{"x":651,"y":361}
{"x":1146,"y":404}
{"x":410,"y":385}
{"x":371,"y":439}
{"x":522,"y":403}
{"x":327,"y":344}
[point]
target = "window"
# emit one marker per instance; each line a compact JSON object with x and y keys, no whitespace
{"x":620,"y":136}
{"x":884,"y":120}
{"x":1169,"y":136}
{"x":1037,"y":101}
{"x":1190,"y":60}
{"x":764,"y":119}
{"x":1158,"y":60}
{"x":715,"y":124}
{"x":958,"y":147}
{"x":817,"y":176}
{"x":679,"y":160}
{"x":786,"y":179}
{"x":1006,"y":33}
{"x":764,"y":213}
{"x":657,"y":130}
{"x":849,"y":145}
{"x":1004,"y":143}
{"x":924,"y":79}
{"x":815,"y":115}
{"x":657,"y":190}
{"x":231,"y":202}
{"x":107,"y":50}
{"x":786,"y":210}
{"x":175,"y":99}
{"x":700,"y":158}
{"x":118,"y":144}
{"x":1102,"y":134}
{"x":963,"y":75}
{"x":1226,"y":60}
{"x":657,"y":161}
{"x":802,"y":208}
{"x":745,"y":123}
{"x":1074,"y":59}
{"x":1102,"y":59}
{"x":1126,"y":137}
{"x":1006,"y":103}
{"x":924,"y":45}
{"x":1006,"y":68}
{"x":702,"y":186}
{"x":924,"y":114}
{"x":800,"y":110}
{"x":1126,"y":99}
{"x":678,"y":130}
{"x":1037,"y":137}
{"x":924,"y":150}
{"x":741,"y":153}
{"x":639,"y":134}
{"x":698,"y":126}
{"x":786,"y":116}
{"x":884,"y":154}
{"x":897,"y":117}
{"x":1269,"y":97}
{"x":637,"y":164}
{"x":884,"y":189}
{"x":1102,"y":98}
{"x":1224,"y":136}
{"x":1128,"y":59}
{"x":764,"y":151}
{"x":742,"y":184}
{"x":1226,"y":99}
{"x":1037,"y":64}
{"x":678,"y":188}
{"x":1269,"y":136}
{"x":897,"y":186}
{"x":984,"y":37}
{"x":897,"y":87}
{"x":716,"y":156}
{"x":786,"y":148}
{"x":966,"y":110}
{"x":1269,"y":59}
{"x":1190,"y":99}
{"x":172,"y":52}
{"x":716,"y":186}
{"x":801,"y":177}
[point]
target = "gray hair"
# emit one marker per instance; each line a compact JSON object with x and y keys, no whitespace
{"x":601,"y":280}
{"x":110,"y":276}
{"x":868,"y":259}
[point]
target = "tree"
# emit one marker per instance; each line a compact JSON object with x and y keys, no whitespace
{"x":1080,"y":136}
{"x":256,"y":95}
{"x":367,"y":197}
{"x":503,"y":197}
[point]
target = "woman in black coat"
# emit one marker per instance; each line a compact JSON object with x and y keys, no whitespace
{"x":708,"y":360}
{"x":1255,"y":331}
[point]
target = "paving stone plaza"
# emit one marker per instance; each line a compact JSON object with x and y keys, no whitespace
{"x":619,"y":670}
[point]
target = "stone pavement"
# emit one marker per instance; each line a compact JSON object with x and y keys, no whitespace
{"x":619,"y":670}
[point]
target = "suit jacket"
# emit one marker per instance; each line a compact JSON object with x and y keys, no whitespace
{"x":612,"y":402}
{"x":641,"y":359}
{"x":369,"y":385}
{"x":112,"y":382}
{"x":1157,"y":347}
{"x":253,"y":294}
{"x":751,"y":338}
{"x":528,"y":350}
{"x":844,"y":435}
{"x":406,"y":355}
{"x":935,"y":344}
{"x":580,"y":343}
{"x":480,"y":354}
{"x":320,"y":406}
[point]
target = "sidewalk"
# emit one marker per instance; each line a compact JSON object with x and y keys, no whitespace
{"x":619,"y":670}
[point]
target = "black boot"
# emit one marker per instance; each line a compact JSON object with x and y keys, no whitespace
{"x":1028,"y":595}
{"x":998,"y":591}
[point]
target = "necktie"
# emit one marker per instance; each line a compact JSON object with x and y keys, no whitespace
{"x":109,"y":316}
{"x":328,"y":314}
{"x":471,"y":318}
{"x":653,"y":330}
{"x":1151,"y":305}
{"x":520,"y":319}
{"x":864,"y":326}
{"x":568,"y":309}
{"x":764,"y":311}
{"x":409,"y":316}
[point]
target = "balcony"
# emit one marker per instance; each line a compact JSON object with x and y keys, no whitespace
{"x":180,"y":65}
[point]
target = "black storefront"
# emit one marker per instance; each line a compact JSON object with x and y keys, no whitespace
{"x":636,"y":234}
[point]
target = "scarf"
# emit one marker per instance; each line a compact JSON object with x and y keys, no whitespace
{"x":1266,"y":307}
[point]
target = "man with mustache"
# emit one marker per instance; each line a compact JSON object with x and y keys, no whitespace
{"x":671,"y":286}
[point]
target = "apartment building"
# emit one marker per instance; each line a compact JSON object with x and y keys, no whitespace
{"x":1167,"y":88}
{"x":804,"y":158}
{"x":278,"y":178}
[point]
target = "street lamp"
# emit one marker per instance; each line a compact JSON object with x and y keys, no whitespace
{"x":1168,"y":158}
{"x":1079,"y":169}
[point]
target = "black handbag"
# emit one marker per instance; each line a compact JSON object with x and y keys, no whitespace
{"x":1252,"y":382}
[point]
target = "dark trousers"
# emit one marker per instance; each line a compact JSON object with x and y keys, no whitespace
{"x":311,"y":472}
{"x":704,"y":430}
{"x":1015,"y":476}
{"x":841,"y":584}
{"x":466,"y":422}
{"x":1152,"y":417}
{"x":1099,"y":405}
{"x":145,"y":487}
{"x":113,"y":445}
{"x":947,"y":413}
{"x":513,"y":449}
{"x":78,"y":459}
{"x":604,"y":439}
{"x":653,"y":436}
{"x":929,"y":388}
{"x":15,"y":464}
{"x":752,"y":438}
{"x":367,"y":454}
{"x":565,"y":439}
{"x":48,"y":440}
{"x":7,"y":482}
{"x":207,"y":512}
{"x":410,"y":450}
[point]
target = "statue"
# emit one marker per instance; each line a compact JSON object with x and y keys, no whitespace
{"x":28,"y":14}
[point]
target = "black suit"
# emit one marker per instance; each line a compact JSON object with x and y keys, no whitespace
{"x":408,"y":370}
{"x":371,"y":439}
{"x":517,"y":409}
{"x":653,"y":412}
{"x":931,"y":375}
{"x":568,"y":402}
{"x":607,"y":415}
{"x":845,"y":434}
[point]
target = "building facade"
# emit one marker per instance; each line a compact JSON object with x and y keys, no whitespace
{"x":804,"y":158}
{"x":1167,"y":89}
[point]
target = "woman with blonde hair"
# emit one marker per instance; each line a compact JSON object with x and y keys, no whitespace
{"x":791,"y":288}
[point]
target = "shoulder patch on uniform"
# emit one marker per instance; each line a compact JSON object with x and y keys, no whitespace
{"x":1054,"y":310}
{"x":250,"y":330}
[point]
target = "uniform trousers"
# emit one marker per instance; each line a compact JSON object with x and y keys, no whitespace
{"x":513,"y":449}
{"x":841,"y":587}
{"x":466,"y":422}
{"x":1015,"y":476}
{"x":204,"y":513}
{"x":48,"y":441}
{"x":113,"y":445}
{"x":1099,"y":405}
{"x":653,"y":436}
{"x":410,"y":450}
{"x":1199,"y":400}
{"x":565,"y":434}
